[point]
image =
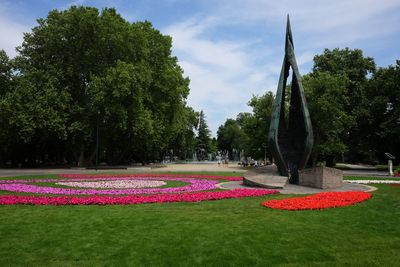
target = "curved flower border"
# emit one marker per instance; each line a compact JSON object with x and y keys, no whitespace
{"x":133,"y":199}
{"x":318,"y":201}
{"x":25,"y":186}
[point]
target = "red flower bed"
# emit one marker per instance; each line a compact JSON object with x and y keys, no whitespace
{"x":318,"y":201}
{"x":144,"y":175}
{"x":132,"y":199}
{"x":397,"y":174}
{"x":395,"y":184}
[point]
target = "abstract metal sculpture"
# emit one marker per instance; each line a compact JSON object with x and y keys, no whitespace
{"x":290,"y":137}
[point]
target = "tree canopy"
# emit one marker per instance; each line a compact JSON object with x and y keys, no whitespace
{"x":82,"y":73}
{"x":354,"y":108}
{"x":249,"y":131}
{"x":83,"y":69}
{"x":203,"y":137}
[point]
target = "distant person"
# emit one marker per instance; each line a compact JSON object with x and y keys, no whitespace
{"x":219,"y":160}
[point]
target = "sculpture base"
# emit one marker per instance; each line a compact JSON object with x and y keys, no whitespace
{"x":321,"y":177}
{"x":266,"y":177}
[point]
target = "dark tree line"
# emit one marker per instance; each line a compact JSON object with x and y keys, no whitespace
{"x":81,"y":70}
{"x":354,"y":107}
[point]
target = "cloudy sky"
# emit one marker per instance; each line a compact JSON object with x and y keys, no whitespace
{"x":233,"y":49}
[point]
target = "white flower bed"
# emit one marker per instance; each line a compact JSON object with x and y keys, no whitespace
{"x":116,"y":184}
{"x":373,"y":181}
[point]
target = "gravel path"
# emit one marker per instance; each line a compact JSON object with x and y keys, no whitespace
{"x":297,"y":189}
{"x":205,"y":167}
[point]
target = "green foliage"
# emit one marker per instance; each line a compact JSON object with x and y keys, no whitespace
{"x":80,"y":69}
{"x":326,"y":100}
{"x":203,"y":138}
{"x":250,"y":130}
{"x":356,"y":68}
{"x":231,"y":136}
{"x":382,"y":121}
{"x":354,"y":109}
{"x":5,"y":73}
{"x":348,"y":62}
{"x":257,"y":126}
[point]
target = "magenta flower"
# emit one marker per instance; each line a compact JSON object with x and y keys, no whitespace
{"x":99,"y":186}
{"x":26,"y":187}
{"x":133,"y":199}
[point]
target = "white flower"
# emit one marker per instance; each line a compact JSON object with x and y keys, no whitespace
{"x":373,"y":181}
{"x":115,"y":184}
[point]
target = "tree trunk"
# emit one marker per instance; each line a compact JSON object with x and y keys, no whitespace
{"x":81,"y":155}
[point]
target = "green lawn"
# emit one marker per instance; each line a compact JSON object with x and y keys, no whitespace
{"x":236,"y":232}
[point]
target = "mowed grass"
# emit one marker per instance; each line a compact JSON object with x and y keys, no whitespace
{"x":235,"y":232}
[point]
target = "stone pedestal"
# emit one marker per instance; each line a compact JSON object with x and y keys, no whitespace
{"x":321,"y":177}
{"x":267,"y":177}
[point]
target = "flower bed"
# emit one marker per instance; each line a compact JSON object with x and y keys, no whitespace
{"x":132,"y":199}
{"x":136,"y":188}
{"x":318,"y":201}
{"x":28,"y":186}
{"x":115,"y":184}
{"x":373,"y":181}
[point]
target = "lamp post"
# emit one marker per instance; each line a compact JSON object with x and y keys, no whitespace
{"x":97,"y":139}
{"x":265,"y":153}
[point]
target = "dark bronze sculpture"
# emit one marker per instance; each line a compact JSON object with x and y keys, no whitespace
{"x":290,"y":137}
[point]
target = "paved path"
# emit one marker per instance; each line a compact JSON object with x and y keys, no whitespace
{"x":168,"y":168}
{"x":211,"y":167}
{"x":297,"y":189}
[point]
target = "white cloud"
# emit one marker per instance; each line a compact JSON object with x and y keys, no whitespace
{"x":224,"y":74}
{"x":333,"y":21}
{"x":11,"y":32}
{"x":236,"y":49}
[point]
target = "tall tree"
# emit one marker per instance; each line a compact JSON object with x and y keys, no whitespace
{"x":257,"y":126}
{"x":203,"y":137}
{"x":383,"y":117}
{"x":231,"y":136}
{"x":101,"y":68}
{"x":326,"y":100}
{"x":5,"y":73}
{"x":357,"y":68}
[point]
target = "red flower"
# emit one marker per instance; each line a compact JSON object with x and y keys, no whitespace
{"x":318,"y":201}
{"x":132,"y":199}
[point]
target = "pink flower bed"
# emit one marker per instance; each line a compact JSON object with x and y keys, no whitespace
{"x":99,"y":186}
{"x":133,"y":199}
{"x":26,"y":187}
{"x":115,"y":184}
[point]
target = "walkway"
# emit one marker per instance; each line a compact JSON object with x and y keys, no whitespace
{"x":212,"y":167}
{"x":297,"y":189}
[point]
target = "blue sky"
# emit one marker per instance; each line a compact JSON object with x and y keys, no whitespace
{"x":233,"y":49}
